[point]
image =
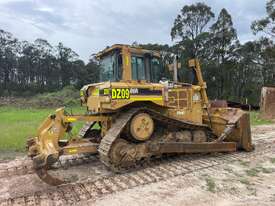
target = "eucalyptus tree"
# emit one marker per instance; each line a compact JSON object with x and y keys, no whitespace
{"x":65,"y":57}
{"x":222,"y":47}
{"x":8,"y":51}
{"x":267,"y":24}
{"x":190,"y":27}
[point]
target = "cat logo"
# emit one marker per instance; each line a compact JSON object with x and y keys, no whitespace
{"x":120,"y":93}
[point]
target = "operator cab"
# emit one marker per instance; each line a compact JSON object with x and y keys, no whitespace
{"x":122,"y":62}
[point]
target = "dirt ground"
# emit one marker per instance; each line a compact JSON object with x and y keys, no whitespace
{"x":249,"y":181}
{"x":242,"y":183}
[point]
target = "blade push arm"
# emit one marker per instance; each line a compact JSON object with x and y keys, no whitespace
{"x":45,"y":148}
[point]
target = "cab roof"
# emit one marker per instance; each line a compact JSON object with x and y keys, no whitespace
{"x":133,"y":49}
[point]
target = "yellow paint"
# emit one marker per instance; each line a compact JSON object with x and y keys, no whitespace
{"x":127,"y":60}
{"x":72,"y":151}
{"x":95,"y":92}
{"x":71,"y":119}
{"x":106,"y":91}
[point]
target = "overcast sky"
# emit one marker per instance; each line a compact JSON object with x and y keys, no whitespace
{"x":87,"y":26}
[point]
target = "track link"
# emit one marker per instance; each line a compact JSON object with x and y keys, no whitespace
{"x":27,"y":166}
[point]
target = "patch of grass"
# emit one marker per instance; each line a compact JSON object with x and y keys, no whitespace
{"x":16,"y":125}
{"x":272,"y":160}
{"x":255,"y":119}
{"x":244,"y":163}
{"x":252,"y":172}
{"x":211,"y":185}
{"x":267,"y":170}
{"x":244,"y":181}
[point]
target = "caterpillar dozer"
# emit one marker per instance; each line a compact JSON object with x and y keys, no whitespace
{"x":133,"y":114}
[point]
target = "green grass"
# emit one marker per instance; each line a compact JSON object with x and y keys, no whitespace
{"x":16,"y":125}
{"x":272,"y":160}
{"x":211,"y":185}
{"x":244,"y":181}
{"x":252,"y":172}
{"x":267,"y":170}
{"x":256,"y":120}
{"x":244,"y":163}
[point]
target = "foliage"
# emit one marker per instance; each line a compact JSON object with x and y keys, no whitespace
{"x":190,"y":25}
{"x":68,"y":96}
{"x":30,"y":68}
{"x":232,"y":71}
{"x":267,"y":24}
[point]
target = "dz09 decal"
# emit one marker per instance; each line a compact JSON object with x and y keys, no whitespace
{"x":120,"y":93}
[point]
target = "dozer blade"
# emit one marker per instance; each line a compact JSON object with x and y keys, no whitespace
{"x":230,"y":125}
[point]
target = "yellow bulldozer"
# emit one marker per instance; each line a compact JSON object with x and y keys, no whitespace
{"x":133,"y":114}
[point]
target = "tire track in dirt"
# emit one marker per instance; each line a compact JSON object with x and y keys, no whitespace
{"x":168,"y":168}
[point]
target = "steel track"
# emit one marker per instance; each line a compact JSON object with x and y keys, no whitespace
{"x":156,"y":171}
{"x":26,"y":167}
{"x":122,"y":120}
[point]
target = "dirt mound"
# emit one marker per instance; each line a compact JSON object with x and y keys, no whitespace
{"x":68,"y":96}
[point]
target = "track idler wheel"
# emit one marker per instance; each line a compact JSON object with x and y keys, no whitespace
{"x":141,"y":127}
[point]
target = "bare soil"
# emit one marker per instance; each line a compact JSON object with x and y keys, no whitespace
{"x":225,"y":185}
{"x":240,"y":183}
{"x":245,"y":182}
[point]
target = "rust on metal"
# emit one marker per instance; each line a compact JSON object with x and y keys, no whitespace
{"x":47,"y":178}
{"x":176,"y":147}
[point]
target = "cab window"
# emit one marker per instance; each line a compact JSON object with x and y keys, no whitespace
{"x":120,"y":67}
{"x":155,"y":70}
{"x":107,"y":65}
{"x":138,"y":68}
{"x":111,"y":67}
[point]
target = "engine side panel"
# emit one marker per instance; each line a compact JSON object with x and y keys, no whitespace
{"x":179,"y":101}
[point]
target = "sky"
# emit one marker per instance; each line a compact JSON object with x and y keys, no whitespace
{"x":88,"y":26}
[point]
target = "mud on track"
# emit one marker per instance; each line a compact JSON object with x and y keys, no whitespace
{"x":20,"y":186}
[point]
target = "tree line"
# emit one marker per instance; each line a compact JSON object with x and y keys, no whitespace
{"x":30,"y":68}
{"x":232,"y":70}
